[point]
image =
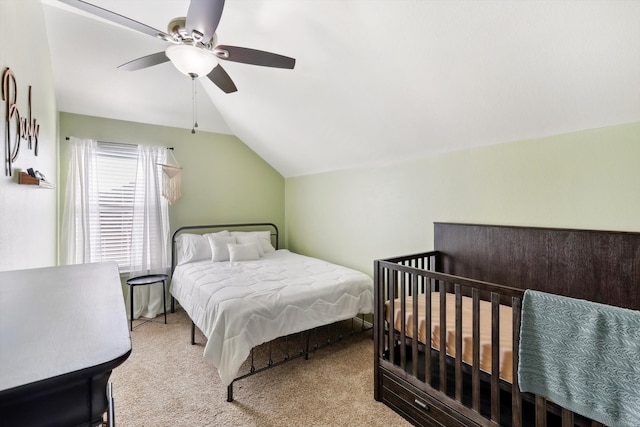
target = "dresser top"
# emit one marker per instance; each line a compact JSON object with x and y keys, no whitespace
{"x":60,"y":320}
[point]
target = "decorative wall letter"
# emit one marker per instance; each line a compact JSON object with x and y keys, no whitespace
{"x":24,"y":127}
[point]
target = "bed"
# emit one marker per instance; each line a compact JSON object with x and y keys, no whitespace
{"x":242,"y":291}
{"x":474,"y":294}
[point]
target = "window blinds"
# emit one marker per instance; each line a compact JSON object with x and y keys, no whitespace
{"x":117,"y":165}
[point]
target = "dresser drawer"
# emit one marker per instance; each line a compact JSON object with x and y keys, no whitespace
{"x":417,"y":406}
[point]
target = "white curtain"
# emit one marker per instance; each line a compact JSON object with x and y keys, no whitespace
{"x":80,"y":220}
{"x":80,"y":239}
{"x":150,"y":242}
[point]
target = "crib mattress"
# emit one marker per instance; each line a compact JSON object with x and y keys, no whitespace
{"x":506,"y":329}
{"x":244,"y":304}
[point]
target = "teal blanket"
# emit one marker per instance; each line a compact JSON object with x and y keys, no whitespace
{"x":582,"y":355}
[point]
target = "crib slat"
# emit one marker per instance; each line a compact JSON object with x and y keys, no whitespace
{"x":541,"y":411}
{"x":443,"y":337}
{"x":416,"y":332}
{"x":429,"y":323}
{"x":458,"y":343}
{"x":567,"y":418}
{"x":475,"y":374}
{"x":421,"y":282}
{"x":495,"y":357}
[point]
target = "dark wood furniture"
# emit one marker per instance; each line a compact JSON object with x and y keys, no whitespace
{"x":145,"y":280}
{"x":600,"y":266}
{"x":494,"y":263}
{"x":62,"y":331}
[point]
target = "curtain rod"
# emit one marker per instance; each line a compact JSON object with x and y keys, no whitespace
{"x":111,"y":142}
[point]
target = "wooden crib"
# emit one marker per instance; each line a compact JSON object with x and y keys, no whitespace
{"x":462,"y":285}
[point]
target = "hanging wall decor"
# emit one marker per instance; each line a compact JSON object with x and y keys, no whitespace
{"x":171,"y":179}
{"x":24,"y":128}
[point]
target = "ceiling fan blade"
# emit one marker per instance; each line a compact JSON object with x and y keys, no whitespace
{"x":256,"y":57}
{"x":145,"y":61}
{"x":221,"y":79}
{"x":114,"y":17}
{"x":203,"y":16}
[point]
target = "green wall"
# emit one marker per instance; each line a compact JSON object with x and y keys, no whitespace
{"x":222,"y":179}
{"x":588,"y":179}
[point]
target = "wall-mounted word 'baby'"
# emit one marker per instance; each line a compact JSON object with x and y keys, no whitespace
{"x":24,"y":128}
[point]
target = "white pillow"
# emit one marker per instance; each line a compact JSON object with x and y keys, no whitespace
{"x":242,"y":252}
{"x":223,"y":233}
{"x":264,"y":237}
{"x":194,"y":247}
{"x":251,"y":239}
{"x":218,"y":245}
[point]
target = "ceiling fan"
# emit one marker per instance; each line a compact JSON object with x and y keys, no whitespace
{"x":194,"y":50}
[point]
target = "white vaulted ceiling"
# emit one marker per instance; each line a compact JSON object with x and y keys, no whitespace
{"x":376,"y":81}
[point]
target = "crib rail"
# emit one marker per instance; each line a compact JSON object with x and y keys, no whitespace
{"x":404,"y":283}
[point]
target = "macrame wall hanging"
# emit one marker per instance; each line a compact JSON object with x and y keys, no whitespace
{"x":171,"y":179}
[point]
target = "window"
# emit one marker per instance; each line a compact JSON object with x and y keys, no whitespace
{"x":116,"y":169}
{"x":114,"y":209}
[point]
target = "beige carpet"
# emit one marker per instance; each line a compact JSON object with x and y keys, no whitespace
{"x":167,"y":382}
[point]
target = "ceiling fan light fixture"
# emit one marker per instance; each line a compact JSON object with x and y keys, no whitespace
{"x":191,"y":60}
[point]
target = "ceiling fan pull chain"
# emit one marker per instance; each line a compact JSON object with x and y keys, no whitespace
{"x":193,"y":103}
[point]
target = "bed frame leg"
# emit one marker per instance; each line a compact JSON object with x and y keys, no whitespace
{"x":230,"y":393}
{"x":193,"y":333}
{"x":306,"y":355}
{"x":173,"y":304}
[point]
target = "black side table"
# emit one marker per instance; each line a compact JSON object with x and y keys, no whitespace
{"x":147,"y":280}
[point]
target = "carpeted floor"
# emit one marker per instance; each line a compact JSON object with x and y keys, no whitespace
{"x":167,"y":382}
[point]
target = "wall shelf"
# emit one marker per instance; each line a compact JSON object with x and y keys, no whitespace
{"x":26,"y":179}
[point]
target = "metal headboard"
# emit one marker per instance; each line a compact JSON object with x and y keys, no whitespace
{"x":274,"y":233}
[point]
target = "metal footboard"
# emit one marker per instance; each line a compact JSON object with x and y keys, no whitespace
{"x":301,"y":344}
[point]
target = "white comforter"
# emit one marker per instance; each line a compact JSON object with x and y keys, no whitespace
{"x":243,"y":304}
